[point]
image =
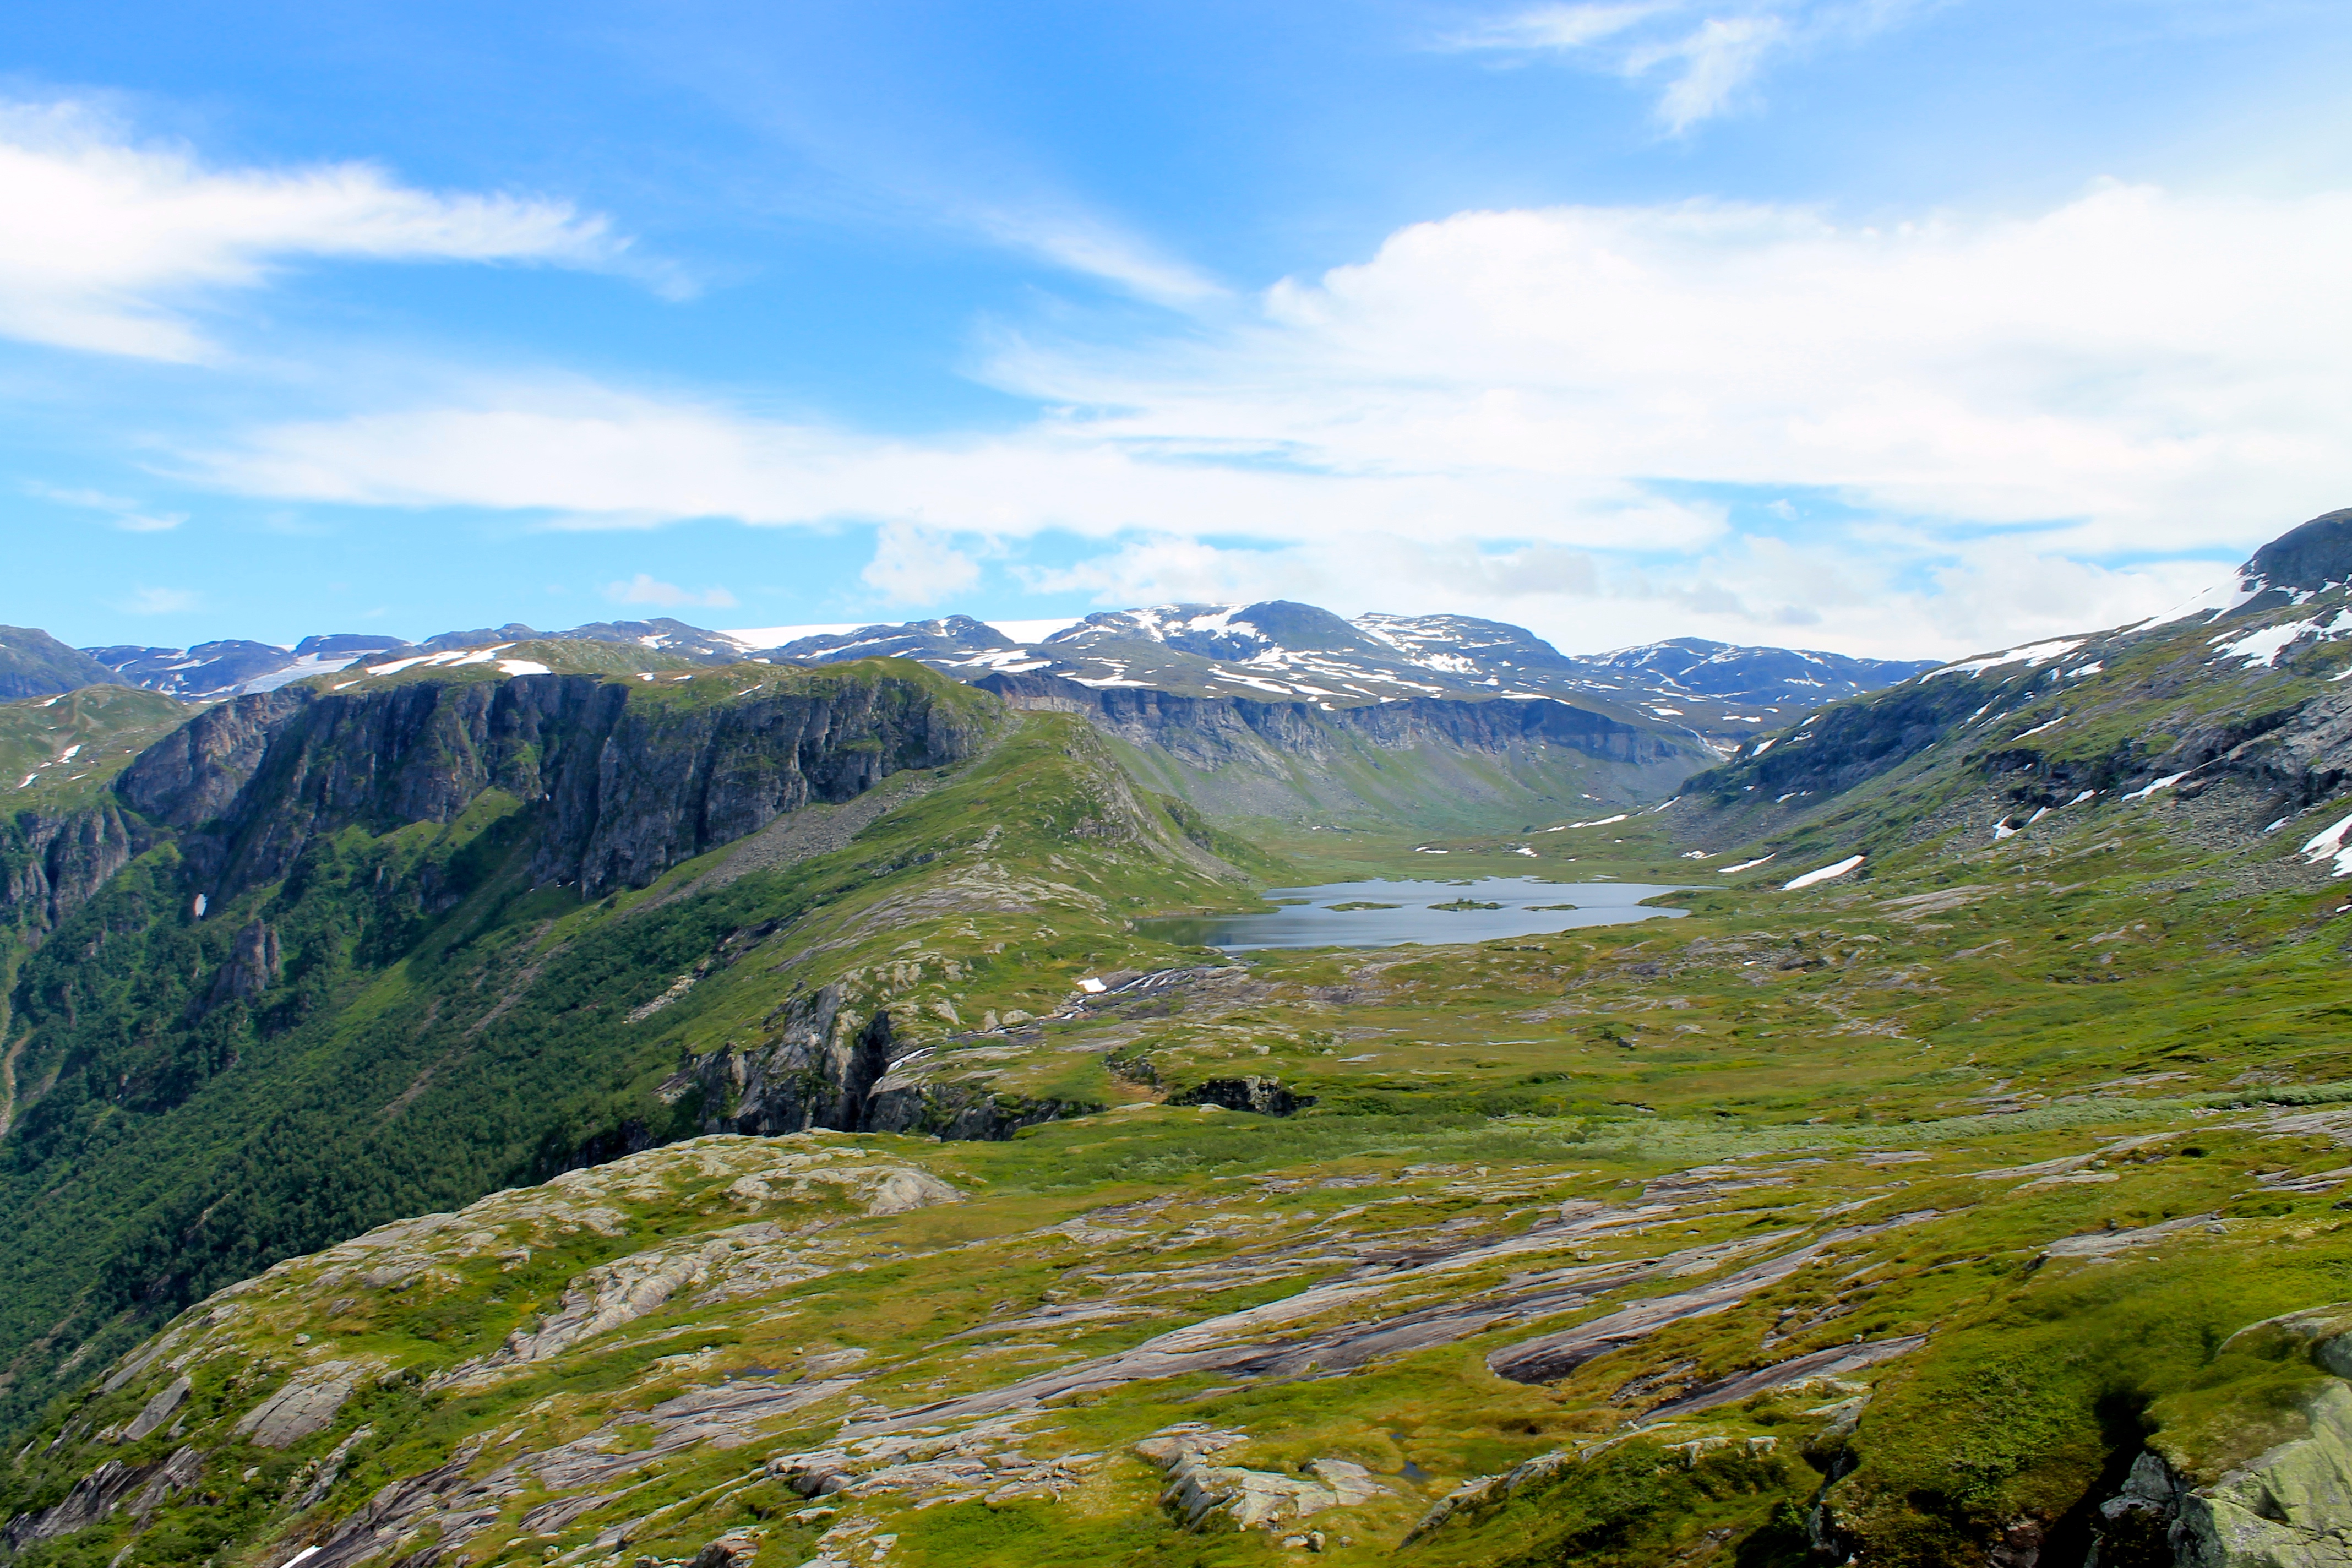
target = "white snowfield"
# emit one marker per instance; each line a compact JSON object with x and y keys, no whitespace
{"x":1746,"y":865}
{"x":460,"y":656}
{"x":2032,"y":654}
{"x":748,"y":638}
{"x":2264,"y":646}
{"x":1824,"y":874}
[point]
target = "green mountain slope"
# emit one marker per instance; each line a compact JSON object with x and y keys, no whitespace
{"x":899,"y":1202}
{"x":2240,"y":701}
{"x":1426,"y":762}
{"x":1844,"y":1215}
{"x":367,"y":1016}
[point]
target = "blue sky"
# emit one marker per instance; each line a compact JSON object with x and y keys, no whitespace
{"x":1890,"y":326}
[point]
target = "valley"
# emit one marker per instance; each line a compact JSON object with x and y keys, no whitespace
{"x":569,"y":1100}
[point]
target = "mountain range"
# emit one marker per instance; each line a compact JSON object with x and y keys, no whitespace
{"x":610,"y":1100}
{"x":1275,"y":649}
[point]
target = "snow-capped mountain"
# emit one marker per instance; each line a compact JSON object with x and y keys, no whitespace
{"x":1273,"y":650}
{"x":209,"y":670}
{"x":1280,"y":649}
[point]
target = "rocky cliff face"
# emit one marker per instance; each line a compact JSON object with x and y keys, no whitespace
{"x":1210,"y":732}
{"x":50,"y":863}
{"x":628,"y":782}
{"x":1276,"y":757}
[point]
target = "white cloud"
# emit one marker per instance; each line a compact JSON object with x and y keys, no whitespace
{"x":644,"y":589}
{"x":1082,"y":243}
{"x":1458,"y":419}
{"x":158,"y":601}
{"x":1711,"y":64}
{"x":110,"y":243}
{"x":1701,"y":54}
{"x":915,"y":566}
{"x":128,"y":515}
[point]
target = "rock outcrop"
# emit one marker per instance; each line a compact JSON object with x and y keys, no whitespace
{"x":817,"y":1070}
{"x":1201,"y":1491}
{"x":624,"y":786}
{"x":1265,"y":1096}
{"x":49,"y":866}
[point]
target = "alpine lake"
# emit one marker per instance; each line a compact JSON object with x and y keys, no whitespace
{"x":1395,"y":913}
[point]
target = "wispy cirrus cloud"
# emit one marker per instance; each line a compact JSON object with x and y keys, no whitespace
{"x":1700,"y":56}
{"x":112,"y":244}
{"x":128,"y":515}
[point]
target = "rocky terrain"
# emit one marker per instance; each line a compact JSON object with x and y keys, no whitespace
{"x":488,"y":1112}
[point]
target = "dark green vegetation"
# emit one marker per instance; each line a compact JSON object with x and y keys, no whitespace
{"x":1913,"y":1216}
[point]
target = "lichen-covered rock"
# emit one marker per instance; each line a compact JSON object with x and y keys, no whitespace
{"x":1202,"y":1493}
{"x":2290,"y":1508}
{"x":306,"y":1403}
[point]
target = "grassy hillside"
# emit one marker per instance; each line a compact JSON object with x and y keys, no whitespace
{"x":1902,"y":1214}
{"x":57,"y":754}
{"x":424,"y":1026}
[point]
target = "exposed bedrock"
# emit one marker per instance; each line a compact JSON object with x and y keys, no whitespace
{"x":50,"y":865}
{"x":825,"y":1067}
{"x":624,"y":786}
{"x":816,"y":1070}
{"x":1210,"y":732}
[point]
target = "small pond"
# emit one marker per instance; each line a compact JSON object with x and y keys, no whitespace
{"x":1394,"y":913}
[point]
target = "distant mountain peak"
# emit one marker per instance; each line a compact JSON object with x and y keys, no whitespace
{"x":2308,"y":559}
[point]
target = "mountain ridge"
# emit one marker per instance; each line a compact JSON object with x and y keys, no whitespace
{"x":1277,"y":648}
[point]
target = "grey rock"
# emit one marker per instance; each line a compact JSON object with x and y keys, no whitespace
{"x":1200,"y":1492}
{"x":49,"y":866}
{"x":729,"y":1551}
{"x":630,"y":787}
{"x":106,"y":1489}
{"x":303,"y":1406}
{"x":156,"y":1411}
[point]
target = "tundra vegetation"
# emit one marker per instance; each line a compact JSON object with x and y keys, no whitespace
{"x":569,"y":1148}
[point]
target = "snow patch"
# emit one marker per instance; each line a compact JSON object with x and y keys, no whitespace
{"x":1824,"y":874}
{"x":2327,"y":844}
{"x":1748,"y":865}
{"x":2030,"y":656}
{"x":2266,"y":645}
{"x":2167,"y":782}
